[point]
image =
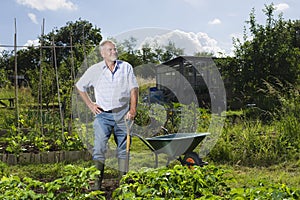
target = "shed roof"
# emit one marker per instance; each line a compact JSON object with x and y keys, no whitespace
{"x":189,"y":59}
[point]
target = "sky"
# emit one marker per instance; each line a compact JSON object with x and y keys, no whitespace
{"x":194,"y":25}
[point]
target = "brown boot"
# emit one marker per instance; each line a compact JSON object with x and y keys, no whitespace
{"x":100,"y":166}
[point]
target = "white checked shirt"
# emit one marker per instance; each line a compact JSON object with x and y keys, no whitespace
{"x":112,"y":89}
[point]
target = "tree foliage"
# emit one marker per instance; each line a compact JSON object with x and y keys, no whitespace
{"x":4,"y":68}
{"x":270,"y":54}
{"x":147,"y":53}
{"x":60,"y":62}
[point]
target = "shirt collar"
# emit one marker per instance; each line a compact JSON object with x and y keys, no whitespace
{"x":116,"y":65}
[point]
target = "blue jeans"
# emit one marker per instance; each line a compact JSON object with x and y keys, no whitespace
{"x":103,"y":125}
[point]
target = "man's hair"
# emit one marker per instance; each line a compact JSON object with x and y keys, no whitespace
{"x":105,"y":42}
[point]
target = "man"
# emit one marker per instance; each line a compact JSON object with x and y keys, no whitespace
{"x":116,"y":94}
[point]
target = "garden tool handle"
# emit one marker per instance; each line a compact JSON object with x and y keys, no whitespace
{"x":128,"y":127}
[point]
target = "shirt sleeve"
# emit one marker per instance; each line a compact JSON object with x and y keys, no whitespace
{"x":132,"y":79}
{"x":85,"y":81}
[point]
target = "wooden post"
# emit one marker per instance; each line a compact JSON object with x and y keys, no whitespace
{"x":70,"y":128}
{"x":40,"y":90}
{"x":58,"y":89}
{"x":16,"y":76}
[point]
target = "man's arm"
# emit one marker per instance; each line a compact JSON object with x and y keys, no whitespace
{"x":87,"y":100}
{"x":134,"y":93}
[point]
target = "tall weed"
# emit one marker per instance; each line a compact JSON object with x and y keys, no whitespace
{"x":256,"y":143}
{"x":248,"y":143}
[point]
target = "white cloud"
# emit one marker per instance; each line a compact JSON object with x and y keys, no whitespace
{"x":48,"y":4}
{"x":32,"y":43}
{"x":281,"y":7}
{"x":32,"y":18}
{"x":189,"y":41}
{"x":215,"y":21}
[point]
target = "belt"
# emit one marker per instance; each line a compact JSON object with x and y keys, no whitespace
{"x":115,"y":110}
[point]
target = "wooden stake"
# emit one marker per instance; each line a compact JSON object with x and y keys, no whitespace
{"x":16,"y":77}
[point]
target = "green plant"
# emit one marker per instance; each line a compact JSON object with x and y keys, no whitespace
{"x":266,"y":191}
{"x":179,"y":182}
{"x":207,"y":182}
{"x":70,"y":142}
{"x":251,"y":143}
{"x":15,"y":143}
{"x":72,"y":184}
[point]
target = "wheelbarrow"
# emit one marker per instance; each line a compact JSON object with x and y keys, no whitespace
{"x":175,"y":146}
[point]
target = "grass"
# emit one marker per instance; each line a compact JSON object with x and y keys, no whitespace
{"x":285,"y":173}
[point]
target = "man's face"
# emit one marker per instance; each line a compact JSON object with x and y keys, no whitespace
{"x":109,"y":52}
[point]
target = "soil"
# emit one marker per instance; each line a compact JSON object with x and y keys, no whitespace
{"x":108,"y":186}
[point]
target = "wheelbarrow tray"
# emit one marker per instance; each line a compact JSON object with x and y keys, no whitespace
{"x":176,"y":144}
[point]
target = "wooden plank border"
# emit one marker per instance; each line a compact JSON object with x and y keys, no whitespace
{"x":45,"y":157}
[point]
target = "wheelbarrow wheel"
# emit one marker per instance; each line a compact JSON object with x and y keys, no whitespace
{"x":191,"y":159}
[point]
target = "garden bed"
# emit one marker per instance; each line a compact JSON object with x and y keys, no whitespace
{"x":45,"y":157}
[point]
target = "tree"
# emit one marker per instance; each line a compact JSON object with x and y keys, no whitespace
{"x":6,"y":68}
{"x":170,"y":52}
{"x":270,"y":55}
{"x":128,"y":52}
{"x":203,"y":53}
{"x":84,"y":38}
{"x":148,"y":53}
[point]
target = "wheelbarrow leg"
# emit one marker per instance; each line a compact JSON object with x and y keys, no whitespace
{"x":156,"y":160}
{"x":168,"y":161}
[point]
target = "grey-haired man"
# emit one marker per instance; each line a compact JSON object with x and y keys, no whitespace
{"x":116,"y":94}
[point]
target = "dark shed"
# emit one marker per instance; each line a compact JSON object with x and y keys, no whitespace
{"x":188,"y":79}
